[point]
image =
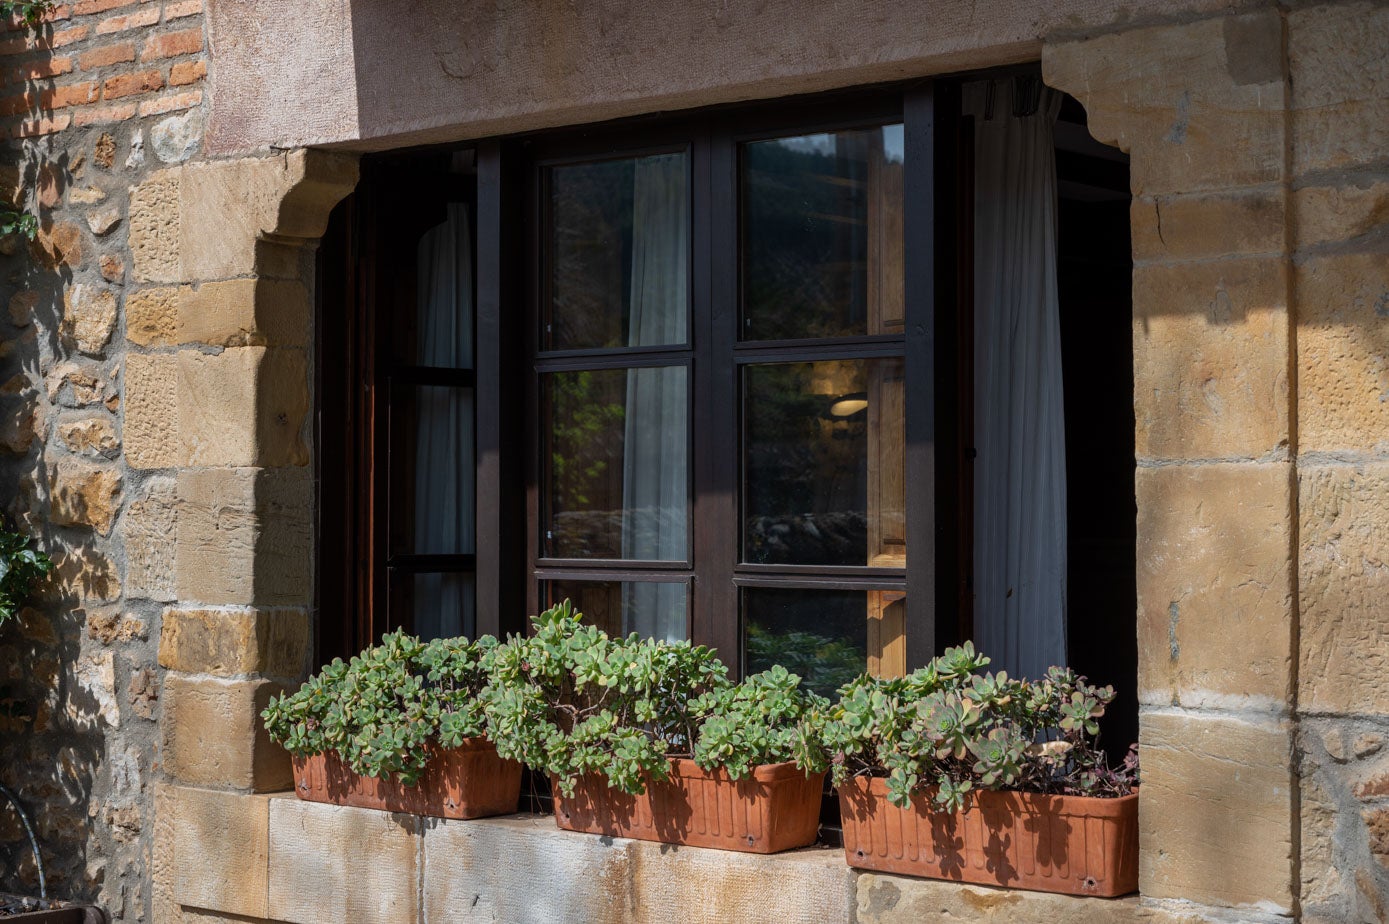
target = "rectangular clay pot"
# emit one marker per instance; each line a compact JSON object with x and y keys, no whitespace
{"x":1076,"y":845}
{"x":469,"y":781}
{"x":776,"y":808}
{"x":47,"y":911}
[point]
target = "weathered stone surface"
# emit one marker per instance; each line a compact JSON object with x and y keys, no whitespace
{"x":1344,"y":589}
{"x":336,"y":863}
{"x":89,"y":317}
{"x":238,"y":312}
{"x":113,"y":626}
{"x":589,"y":878}
{"x":142,"y":693}
{"x":154,"y":227}
{"x":84,"y":495}
{"x":1215,"y":574}
{"x":21,"y":421}
{"x":1343,"y":353}
{"x":150,"y":529}
{"x":22,"y":305}
{"x":1339,"y":60}
{"x":92,"y":693}
{"x":78,"y":385}
{"x":1216,"y":814}
{"x":90,"y":436}
{"x":151,"y":411}
{"x":104,"y":221}
{"x":243,"y":406}
{"x":57,"y":246}
{"x":178,"y":138}
{"x":228,"y":641}
{"x":883,"y":899}
{"x":1180,"y":98}
{"x":221,"y":850}
{"x":1206,"y":225}
{"x":213,"y":736}
{"x":244,"y":536}
{"x":85,"y":574}
{"x":1342,"y":214}
{"x":151,"y":316}
{"x":1210,"y":352}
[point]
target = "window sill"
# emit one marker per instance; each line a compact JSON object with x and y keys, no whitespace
{"x":275,"y":857}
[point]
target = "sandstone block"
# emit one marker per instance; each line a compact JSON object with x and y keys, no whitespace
{"x":237,"y":312}
{"x":155,"y":227}
{"x":244,"y":536}
{"x":587,"y":879}
{"x":221,"y":850}
{"x":1343,"y":214}
{"x":90,"y":436}
{"x":1343,"y":353}
{"x":1338,"y":57}
{"x":21,"y":421}
{"x":57,"y":246}
{"x":84,"y":574}
{"x":1216,"y":814}
{"x":213,"y":736}
{"x":334,"y":863}
{"x":1344,"y":589}
{"x":151,"y":316}
{"x":84,"y":495}
{"x":89,"y":317}
{"x":150,"y":529}
{"x":114,"y":627}
{"x":1215,"y":573}
{"x":151,"y":411}
{"x":1180,"y":98}
{"x":883,"y":899}
{"x":92,"y":693}
{"x":1205,"y":225}
{"x":244,"y":406}
{"x":1210,"y":352}
{"x":228,"y":641}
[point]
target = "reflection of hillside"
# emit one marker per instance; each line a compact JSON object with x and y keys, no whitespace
{"x":827,"y":538}
{"x":598,"y":533}
{"x":591,"y":266}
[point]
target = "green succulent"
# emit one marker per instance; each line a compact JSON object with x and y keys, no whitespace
{"x":21,"y":568}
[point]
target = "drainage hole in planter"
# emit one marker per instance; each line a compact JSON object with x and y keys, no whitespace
{"x":1089,"y":884}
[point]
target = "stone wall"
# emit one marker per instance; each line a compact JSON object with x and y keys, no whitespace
{"x":102,"y":96}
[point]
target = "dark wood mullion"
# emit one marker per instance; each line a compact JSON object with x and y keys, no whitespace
{"x":830,"y":352}
{"x":811,"y":582}
{"x":434,"y":376}
{"x":631,"y":360}
{"x":866,"y":341}
{"x":612,"y":564}
{"x":790,"y":570}
{"x":434,"y":563}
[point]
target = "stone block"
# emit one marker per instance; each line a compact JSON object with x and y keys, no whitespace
{"x":672,"y":885}
{"x":1342,"y":215}
{"x":1343,"y":353}
{"x":1215,"y":574}
{"x":221,"y":850}
{"x":237,"y":312}
{"x":154,"y":227}
{"x":1211,"y":359}
{"x":244,"y":536}
{"x":150,"y":530}
{"x":485,"y":870}
{"x":84,"y":495}
{"x":1181,"y":98}
{"x":1344,"y":588}
{"x":884,"y":899}
{"x":84,"y":574}
{"x":151,"y":411}
{"x":232,"y":641}
{"x":1338,"y":56}
{"x":90,"y":436}
{"x":243,"y":406}
{"x":1216,"y":815}
{"x":1204,"y":225}
{"x":89,"y":317}
{"x":213,"y":735}
{"x":335,"y":863}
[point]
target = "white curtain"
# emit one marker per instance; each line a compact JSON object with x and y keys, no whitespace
{"x":1020,"y":470}
{"x":444,"y":495}
{"x":655,"y":478}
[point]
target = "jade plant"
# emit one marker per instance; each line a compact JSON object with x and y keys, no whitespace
{"x":21,"y":568}
{"x":571,"y":701}
{"x":947,"y":729}
{"x":384,"y":709}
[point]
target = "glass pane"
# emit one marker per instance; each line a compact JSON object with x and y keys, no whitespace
{"x":822,"y":235}
{"x":650,"y":609}
{"x":432,"y":471}
{"x":617,"y":484}
{"x":825,"y":463}
{"x":442,"y":605}
{"x":828,"y":637}
{"x":620,"y":249}
{"x":441,"y":331}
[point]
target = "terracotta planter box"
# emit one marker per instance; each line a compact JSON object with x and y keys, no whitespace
{"x":469,"y":781}
{"x":777,"y":808}
{"x":24,"y":909}
{"x":1077,"y":845}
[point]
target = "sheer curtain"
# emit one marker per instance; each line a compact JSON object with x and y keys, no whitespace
{"x":1020,"y":470}
{"x":444,"y":495}
{"x":655,"y":478}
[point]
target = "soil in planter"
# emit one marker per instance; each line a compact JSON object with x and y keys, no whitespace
{"x":25,"y":909}
{"x":1075,"y":845}
{"x":775,"y":809}
{"x":469,"y":781}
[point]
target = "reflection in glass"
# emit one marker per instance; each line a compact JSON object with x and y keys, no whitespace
{"x":824,"y":463}
{"x":442,"y":604}
{"x":441,"y":332}
{"x":822,"y":235}
{"x":617,"y":484}
{"x":438,"y":453}
{"x":619,"y":247}
{"x":827,"y":637}
{"x":619,"y":608}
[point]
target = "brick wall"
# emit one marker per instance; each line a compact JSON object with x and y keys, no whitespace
{"x":102,"y":95}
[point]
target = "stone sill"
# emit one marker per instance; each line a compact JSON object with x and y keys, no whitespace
{"x":274,"y":857}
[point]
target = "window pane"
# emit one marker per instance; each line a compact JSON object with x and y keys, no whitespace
{"x":650,"y":609}
{"x":441,"y":605}
{"x":824,"y":465}
{"x":440,"y":333}
{"x":828,"y":637}
{"x":619,"y":244}
{"x":432,"y":471}
{"x":617,"y":480}
{"x":822,"y":235}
